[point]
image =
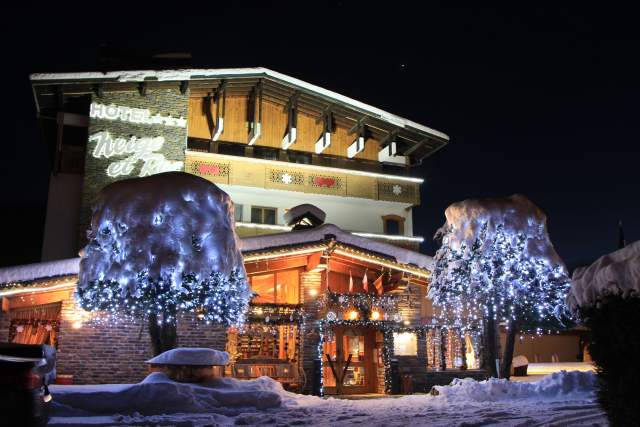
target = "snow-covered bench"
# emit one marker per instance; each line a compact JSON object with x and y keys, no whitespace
{"x":190,"y":364}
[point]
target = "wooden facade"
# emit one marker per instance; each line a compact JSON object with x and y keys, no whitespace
{"x":274,"y":128}
{"x":232,"y":170}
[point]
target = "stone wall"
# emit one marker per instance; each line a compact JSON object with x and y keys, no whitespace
{"x":309,"y":284}
{"x":166,"y":102}
{"x":101,"y":353}
{"x":97,"y":352}
{"x":4,"y":326}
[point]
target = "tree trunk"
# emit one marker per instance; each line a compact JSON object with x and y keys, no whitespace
{"x":443,"y":350}
{"x":463,"y":350}
{"x":507,"y":358}
{"x":490,"y":350}
{"x":163,"y":336}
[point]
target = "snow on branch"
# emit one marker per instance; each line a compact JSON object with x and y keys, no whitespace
{"x":161,"y":244}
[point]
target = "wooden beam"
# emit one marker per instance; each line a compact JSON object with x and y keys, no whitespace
{"x":267,"y":266}
{"x":415,"y":146}
{"x":184,"y":86}
{"x":41,"y":298}
{"x":314,"y":261}
{"x":5,"y":304}
{"x":254,"y":111}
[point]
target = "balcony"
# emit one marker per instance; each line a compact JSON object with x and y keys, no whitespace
{"x":279,"y":175}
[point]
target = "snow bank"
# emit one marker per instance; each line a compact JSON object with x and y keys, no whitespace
{"x":41,"y":270}
{"x":617,"y":273}
{"x":166,"y":224}
{"x":191,"y":356}
{"x":559,"y":384}
{"x":158,"y":394}
{"x":516,"y":213}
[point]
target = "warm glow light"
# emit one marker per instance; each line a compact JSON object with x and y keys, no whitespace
{"x":310,"y":167}
{"x":382,"y":263}
{"x":353,"y":315}
{"x":313,"y":292}
{"x":375,"y":315}
{"x":405,"y":344}
{"x":66,"y":285}
{"x":259,"y":311}
{"x":76,"y":325}
{"x":406,"y":322}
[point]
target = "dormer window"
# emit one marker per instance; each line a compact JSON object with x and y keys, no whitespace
{"x":393,"y":225}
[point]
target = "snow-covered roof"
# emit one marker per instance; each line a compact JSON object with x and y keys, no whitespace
{"x":40,"y":270}
{"x":208,"y":73}
{"x":617,"y":272}
{"x":68,"y":267}
{"x":270,"y":241}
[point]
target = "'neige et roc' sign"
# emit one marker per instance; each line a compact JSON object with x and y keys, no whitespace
{"x":137,"y":149}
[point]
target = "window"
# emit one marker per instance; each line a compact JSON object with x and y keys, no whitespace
{"x":261,"y":215}
{"x":279,"y":288}
{"x":405,"y":344}
{"x":237,"y":212}
{"x":299,"y":157}
{"x":231,"y":149}
{"x":393,"y":224}
{"x":265,"y":153}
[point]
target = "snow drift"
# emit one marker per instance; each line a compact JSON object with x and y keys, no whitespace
{"x":167,"y":225}
{"x":616,"y":273}
{"x":157,"y":394}
{"x":563,"y":383}
{"x":515,"y":213}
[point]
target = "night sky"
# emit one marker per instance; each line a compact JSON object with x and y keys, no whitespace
{"x":539,"y":101}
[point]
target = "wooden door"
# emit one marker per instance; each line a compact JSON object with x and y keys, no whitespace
{"x":349,"y":355}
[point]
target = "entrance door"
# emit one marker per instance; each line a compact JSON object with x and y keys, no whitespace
{"x":358,"y":372}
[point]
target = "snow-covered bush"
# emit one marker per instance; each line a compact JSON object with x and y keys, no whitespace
{"x":606,"y":296}
{"x":160,"y":245}
{"x":497,"y":262}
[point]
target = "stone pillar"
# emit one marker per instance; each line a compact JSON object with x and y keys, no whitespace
{"x":310,"y":286}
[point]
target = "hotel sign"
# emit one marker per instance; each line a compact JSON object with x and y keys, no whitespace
{"x":136,"y":150}
{"x":131,"y":139}
{"x":133,"y":115}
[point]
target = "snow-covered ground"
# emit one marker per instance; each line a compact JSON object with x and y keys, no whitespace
{"x":560,"y":399}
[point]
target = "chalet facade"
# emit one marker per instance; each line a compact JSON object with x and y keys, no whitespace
{"x":341,"y":303}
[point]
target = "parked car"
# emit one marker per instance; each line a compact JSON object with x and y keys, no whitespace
{"x":25,"y":372}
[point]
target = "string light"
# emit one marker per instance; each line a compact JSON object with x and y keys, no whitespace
{"x":496,"y":276}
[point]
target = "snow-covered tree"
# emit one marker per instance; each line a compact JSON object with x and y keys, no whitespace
{"x":497,"y":264}
{"x":162,"y":245}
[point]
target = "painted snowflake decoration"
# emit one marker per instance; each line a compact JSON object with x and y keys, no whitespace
{"x":48,"y":327}
{"x":287,"y":178}
{"x":331,"y":316}
{"x":397,"y":190}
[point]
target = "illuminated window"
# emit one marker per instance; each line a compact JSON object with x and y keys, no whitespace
{"x":279,"y":288}
{"x":405,"y":344}
{"x":262,"y":215}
